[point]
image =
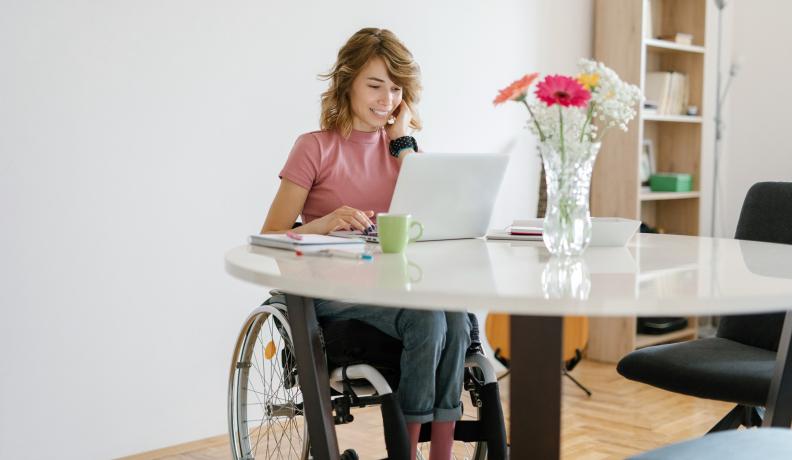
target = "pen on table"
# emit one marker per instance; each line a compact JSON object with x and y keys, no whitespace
{"x":336,"y":253}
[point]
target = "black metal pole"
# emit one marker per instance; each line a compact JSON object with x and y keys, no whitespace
{"x":313,"y":377}
{"x":779,"y":398}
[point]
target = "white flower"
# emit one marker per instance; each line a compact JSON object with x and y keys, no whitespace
{"x":613,"y":103}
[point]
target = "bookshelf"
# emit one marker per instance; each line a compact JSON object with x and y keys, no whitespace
{"x":653,"y":196}
{"x":672,"y":118}
{"x":656,"y":44}
{"x":626,"y":38}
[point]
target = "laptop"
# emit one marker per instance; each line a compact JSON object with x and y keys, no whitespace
{"x":451,"y":194}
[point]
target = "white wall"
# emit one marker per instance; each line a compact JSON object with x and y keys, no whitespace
{"x":757,"y":146}
{"x":140,"y":140}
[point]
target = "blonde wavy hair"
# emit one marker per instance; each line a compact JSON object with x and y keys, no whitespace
{"x":352,"y":57}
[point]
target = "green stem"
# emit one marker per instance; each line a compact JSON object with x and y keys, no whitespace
{"x":561,"y":129}
{"x":586,"y":123}
{"x":541,"y":134}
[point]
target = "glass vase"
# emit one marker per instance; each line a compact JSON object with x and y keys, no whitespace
{"x":567,"y":222}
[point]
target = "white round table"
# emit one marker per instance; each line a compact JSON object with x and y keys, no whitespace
{"x":654,"y":275}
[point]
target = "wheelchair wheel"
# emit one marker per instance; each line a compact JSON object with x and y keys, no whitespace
{"x":265,"y":406}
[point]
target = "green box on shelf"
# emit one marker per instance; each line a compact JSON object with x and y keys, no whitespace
{"x":671,"y":182}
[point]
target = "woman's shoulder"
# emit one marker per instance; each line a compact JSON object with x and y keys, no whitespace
{"x":321,"y":135}
{"x":319,"y":140}
{"x":321,"y":144}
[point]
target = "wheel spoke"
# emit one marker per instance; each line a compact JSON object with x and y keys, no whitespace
{"x":268,"y":410}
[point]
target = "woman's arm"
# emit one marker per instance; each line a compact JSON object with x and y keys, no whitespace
{"x":400,"y":128}
{"x":288,"y":203}
{"x":285,"y":208}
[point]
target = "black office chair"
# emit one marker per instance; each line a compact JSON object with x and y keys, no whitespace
{"x":737,"y":365}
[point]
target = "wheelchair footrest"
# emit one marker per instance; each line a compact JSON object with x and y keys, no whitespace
{"x":490,"y":428}
{"x":464,"y":430}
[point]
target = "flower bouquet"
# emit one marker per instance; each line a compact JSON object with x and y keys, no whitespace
{"x":570,"y":115}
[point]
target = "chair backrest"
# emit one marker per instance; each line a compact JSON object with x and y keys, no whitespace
{"x":766,"y":215}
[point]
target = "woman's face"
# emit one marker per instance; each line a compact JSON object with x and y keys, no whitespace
{"x":373,"y":96}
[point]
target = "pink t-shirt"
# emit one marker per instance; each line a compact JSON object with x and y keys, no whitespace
{"x":357,"y":172}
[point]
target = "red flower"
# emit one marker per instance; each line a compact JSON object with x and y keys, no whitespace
{"x":516,"y":91}
{"x":561,"y":90}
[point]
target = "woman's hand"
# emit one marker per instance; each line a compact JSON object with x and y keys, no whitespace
{"x":401,"y":126}
{"x":343,"y":218}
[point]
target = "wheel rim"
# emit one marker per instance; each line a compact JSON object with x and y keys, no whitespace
{"x":266,"y":403}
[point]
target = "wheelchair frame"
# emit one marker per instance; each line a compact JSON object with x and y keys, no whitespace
{"x":322,"y":411}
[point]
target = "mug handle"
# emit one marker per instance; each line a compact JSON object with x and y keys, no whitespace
{"x":419,"y":272}
{"x":420,"y":231}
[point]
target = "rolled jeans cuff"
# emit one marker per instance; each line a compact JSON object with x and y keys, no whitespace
{"x":448,"y":415}
{"x":418,"y":417}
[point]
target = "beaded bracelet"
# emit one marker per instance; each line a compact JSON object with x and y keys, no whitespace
{"x":402,"y":143}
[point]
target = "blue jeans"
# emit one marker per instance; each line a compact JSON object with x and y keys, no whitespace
{"x":433,"y":359}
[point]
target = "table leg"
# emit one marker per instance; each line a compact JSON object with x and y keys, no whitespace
{"x":313,"y":377}
{"x":535,"y":392}
{"x":779,"y":398}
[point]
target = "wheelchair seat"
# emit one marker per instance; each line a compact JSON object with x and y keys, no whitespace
{"x":349,"y":342}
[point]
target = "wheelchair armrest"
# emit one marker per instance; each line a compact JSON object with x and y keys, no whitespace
{"x":481,"y":361}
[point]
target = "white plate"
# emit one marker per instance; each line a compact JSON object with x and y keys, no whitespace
{"x":612,"y":231}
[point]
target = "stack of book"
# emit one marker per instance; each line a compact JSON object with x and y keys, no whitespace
{"x":525,"y":230}
{"x":667,"y":93}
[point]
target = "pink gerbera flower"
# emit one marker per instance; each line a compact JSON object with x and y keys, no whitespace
{"x":561,"y":90}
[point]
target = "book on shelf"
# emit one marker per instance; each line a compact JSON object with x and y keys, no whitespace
{"x":667,"y":91}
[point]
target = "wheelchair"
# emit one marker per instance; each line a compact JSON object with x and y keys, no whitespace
{"x":266,"y":416}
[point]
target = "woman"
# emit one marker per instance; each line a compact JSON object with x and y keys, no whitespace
{"x":339,"y":178}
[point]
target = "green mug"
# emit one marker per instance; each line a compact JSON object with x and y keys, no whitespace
{"x":394,"y":232}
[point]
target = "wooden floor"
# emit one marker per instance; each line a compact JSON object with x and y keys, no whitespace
{"x":620,"y":419}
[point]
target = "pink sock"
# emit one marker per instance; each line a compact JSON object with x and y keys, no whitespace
{"x":413,"y":430}
{"x":442,"y":440}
